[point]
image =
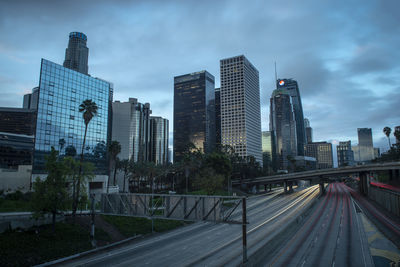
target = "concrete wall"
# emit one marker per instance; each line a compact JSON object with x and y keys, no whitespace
{"x":388,"y":199}
{"x":12,"y":180}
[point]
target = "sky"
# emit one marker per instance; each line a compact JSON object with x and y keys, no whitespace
{"x":344,"y":54}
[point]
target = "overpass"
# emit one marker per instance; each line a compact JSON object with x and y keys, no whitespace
{"x":322,"y":175}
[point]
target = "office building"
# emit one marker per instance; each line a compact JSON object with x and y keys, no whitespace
{"x":365,"y":145}
{"x":77,"y":53}
{"x":309,"y":132}
{"x":218,"y":117}
{"x":31,"y":100}
{"x":397,"y":130}
{"x":322,"y":152}
{"x":283,"y":128}
{"x":131,"y":128}
{"x":291,"y":87}
{"x":240,"y":107}
{"x":159,"y":134}
{"x":17,"y":129}
{"x":194,"y":112}
{"x":345,"y":154}
{"x":59,"y":122}
{"x":377,"y":152}
{"x":267,"y":150}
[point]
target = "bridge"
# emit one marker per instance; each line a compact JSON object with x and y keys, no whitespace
{"x":322,"y":175}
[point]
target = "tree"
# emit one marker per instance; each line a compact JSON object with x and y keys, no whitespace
{"x":397,"y":135}
{"x":70,"y":151}
{"x":387,"y":131}
{"x":208,"y":180}
{"x":51,"y":195}
{"x":89,"y":110}
{"x":114,"y":148}
{"x":61,"y":142}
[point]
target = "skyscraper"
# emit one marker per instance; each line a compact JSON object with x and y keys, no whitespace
{"x":365,"y":144}
{"x":61,"y":91}
{"x":267,"y":150}
{"x":309,"y":132}
{"x":345,"y":154}
{"x":217,"y":116}
{"x":240,"y":107}
{"x":194,"y":112}
{"x":283,"y":127}
{"x":31,"y":100}
{"x":131,"y":128}
{"x":77,"y":53}
{"x":397,"y":130}
{"x":322,"y":152}
{"x":159,"y":132}
{"x":292,"y":88}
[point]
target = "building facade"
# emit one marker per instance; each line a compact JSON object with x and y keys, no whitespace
{"x":194,"y":112}
{"x":283,"y":127}
{"x":77,"y":53}
{"x":267,"y":150}
{"x":218,"y":117}
{"x":292,"y":88}
{"x":59,"y":122}
{"x":365,"y":145}
{"x":131,"y":128}
{"x":322,"y":152}
{"x":159,"y":134}
{"x":31,"y":100}
{"x":309,"y":132}
{"x":240,"y":107}
{"x":345,"y":154}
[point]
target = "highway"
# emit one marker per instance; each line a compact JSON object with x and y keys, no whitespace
{"x":332,"y":236}
{"x":209,"y":243}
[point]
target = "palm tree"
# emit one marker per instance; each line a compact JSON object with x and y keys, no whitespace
{"x":387,"y":131}
{"x":114,"y":148}
{"x":89,"y":110}
{"x":397,"y":135}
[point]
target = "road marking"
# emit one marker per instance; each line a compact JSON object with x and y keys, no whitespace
{"x":373,"y":237}
{"x":393,"y":256}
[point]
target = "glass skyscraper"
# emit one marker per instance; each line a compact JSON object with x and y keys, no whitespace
{"x":194,"y":112}
{"x":240,"y":107}
{"x":61,"y":91}
{"x":159,"y":133}
{"x":77,"y":53}
{"x":365,"y":145}
{"x":292,"y":88}
{"x":218,"y":116}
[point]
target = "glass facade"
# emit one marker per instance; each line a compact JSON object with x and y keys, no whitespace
{"x":345,"y":155}
{"x":194,"y":112}
{"x":218,"y":116}
{"x":159,"y":140}
{"x":77,"y":53}
{"x":61,"y":91}
{"x":322,"y":152}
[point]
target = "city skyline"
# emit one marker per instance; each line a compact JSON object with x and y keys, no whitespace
{"x":338,"y":71}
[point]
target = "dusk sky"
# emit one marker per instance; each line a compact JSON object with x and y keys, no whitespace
{"x":344,"y":54}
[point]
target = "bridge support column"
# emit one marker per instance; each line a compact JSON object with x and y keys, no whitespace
{"x":285,"y":186}
{"x":321,"y":188}
{"x":290,"y":186}
{"x":270,"y":187}
{"x":363,"y":184}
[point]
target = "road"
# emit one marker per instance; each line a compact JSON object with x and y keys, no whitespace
{"x":208,"y":243}
{"x":332,"y":236}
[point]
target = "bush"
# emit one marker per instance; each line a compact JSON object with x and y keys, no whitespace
{"x":17,"y":195}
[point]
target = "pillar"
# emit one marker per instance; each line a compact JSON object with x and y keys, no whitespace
{"x":321,"y":188}
{"x":285,"y":186}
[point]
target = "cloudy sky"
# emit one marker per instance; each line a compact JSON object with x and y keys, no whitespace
{"x":344,"y":54}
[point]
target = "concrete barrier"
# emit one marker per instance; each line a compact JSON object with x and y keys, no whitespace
{"x":390,"y":200}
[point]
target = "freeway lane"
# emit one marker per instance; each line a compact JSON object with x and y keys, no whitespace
{"x":207,"y":243}
{"x":332,"y":236}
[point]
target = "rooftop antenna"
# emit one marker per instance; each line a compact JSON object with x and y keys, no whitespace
{"x":276,"y":77}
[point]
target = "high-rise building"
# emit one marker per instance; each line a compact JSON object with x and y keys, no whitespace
{"x":59,"y":122}
{"x":283,"y":127}
{"x":194,"y":112}
{"x":322,"y":152}
{"x":267,"y":150}
{"x":345,"y":154}
{"x":309,"y":132}
{"x":159,"y":133}
{"x":365,"y":144}
{"x":77,"y":53}
{"x":218,"y":117}
{"x":377,"y":152}
{"x":240,"y":107}
{"x":397,"y":130}
{"x":131,"y":128}
{"x":31,"y":100}
{"x":292,"y":88}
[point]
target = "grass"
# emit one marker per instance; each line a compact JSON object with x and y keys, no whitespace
{"x":203,"y":192}
{"x":34,"y":247}
{"x":7,"y":205}
{"x":130,"y":226}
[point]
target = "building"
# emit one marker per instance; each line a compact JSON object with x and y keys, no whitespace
{"x":283,"y":129}
{"x":77,"y":53}
{"x":365,"y":145}
{"x":267,"y":150}
{"x":159,"y":134}
{"x":31,"y":100}
{"x":17,"y":129}
{"x":218,"y":117}
{"x":322,"y":152}
{"x":377,"y":152}
{"x":194,"y":112}
{"x":345,"y":154}
{"x":240,"y":107}
{"x":303,"y":163}
{"x":309,"y":131}
{"x":61,"y":125}
{"x":291,"y":87}
{"x":131,"y":128}
{"x":397,"y":130}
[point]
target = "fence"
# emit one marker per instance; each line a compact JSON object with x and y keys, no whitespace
{"x":390,"y":200}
